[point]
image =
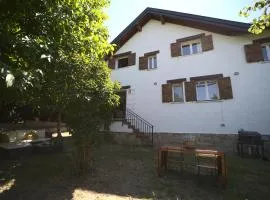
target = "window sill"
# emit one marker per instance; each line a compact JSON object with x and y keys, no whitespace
{"x":123,"y":67}
{"x":265,"y":61}
{"x":176,"y":102}
{"x":209,"y":101}
{"x":152,"y":69}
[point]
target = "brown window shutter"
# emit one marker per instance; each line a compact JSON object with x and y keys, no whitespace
{"x":132,"y":59}
{"x":111,"y":63}
{"x":175,"y":49}
{"x":225,"y":88}
{"x":190,"y":90}
{"x":253,"y":53}
{"x":207,"y":43}
{"x":166,"y":93}
{"x":143,"y":63}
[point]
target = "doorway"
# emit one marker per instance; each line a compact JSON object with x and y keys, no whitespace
{"x":120,"y":111}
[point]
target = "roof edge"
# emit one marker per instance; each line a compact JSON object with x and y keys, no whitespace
{"x":222,"y":26}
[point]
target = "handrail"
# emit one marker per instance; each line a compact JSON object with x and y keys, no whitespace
{"x":139,"y":124}
{"x":129,"y":110}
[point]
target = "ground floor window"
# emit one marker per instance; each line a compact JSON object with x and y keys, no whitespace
{"x":207,"y":90}
{"x":266,"y":52}
{"x":177,"y":91}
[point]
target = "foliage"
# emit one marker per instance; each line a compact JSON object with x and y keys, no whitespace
{"x":52,"y":57}
{"x":262,"y":22}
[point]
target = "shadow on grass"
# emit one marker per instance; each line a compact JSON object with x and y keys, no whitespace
{"x":126,"y":172}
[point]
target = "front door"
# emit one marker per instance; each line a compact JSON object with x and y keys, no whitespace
{"x":120,"y":111}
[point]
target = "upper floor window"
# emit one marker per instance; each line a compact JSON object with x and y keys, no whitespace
{"x":148,"y":60}
{"x":122,"y":62}
{"x":191,"y":47}
{"x":207,"y":90}
{"x":258,"y":51}
{"x":177,"y":91}
{"x":266,"y":51}
{"x":152,"y":62}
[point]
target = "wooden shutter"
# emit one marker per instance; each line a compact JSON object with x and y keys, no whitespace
{"x":175,"y":49}
{"x":207,"y":43}
{"x":111,"y":63}
{"x":166,"y":93}
{"x":253,"y":53}
{"x":225,"y":88}
{"x":131,"y":59}
{"x":190,"y":90}
{"x":143,"y":63}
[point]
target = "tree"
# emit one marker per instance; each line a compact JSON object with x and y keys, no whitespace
{"x":53,"y":51}
{"x":262,"y":22}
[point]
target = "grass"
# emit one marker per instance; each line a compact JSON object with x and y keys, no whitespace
{"x":125,"y":172}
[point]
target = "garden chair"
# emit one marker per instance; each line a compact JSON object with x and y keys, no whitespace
{"x":207,"y":160}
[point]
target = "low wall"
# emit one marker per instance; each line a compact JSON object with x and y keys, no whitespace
{"x":221,"y":142}
{"x":17,"y":135}
{"x":127,"y":139}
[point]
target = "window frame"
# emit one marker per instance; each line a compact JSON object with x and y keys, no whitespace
{"x":150,"y":59}
{"x":190,"y":43}
{"x":117,"y":62}
{"x":182,"y":88}
{"x":207,"y":90}
{"x":267,"y":46}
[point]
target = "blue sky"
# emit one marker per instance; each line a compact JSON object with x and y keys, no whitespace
{"x":122,"y":12}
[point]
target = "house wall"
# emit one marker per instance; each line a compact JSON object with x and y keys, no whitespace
{"x":249,"y":109}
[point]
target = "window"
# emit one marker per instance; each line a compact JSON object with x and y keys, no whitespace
{"x":177,"y":91}
{"x":122,"y":62}
{"x":191,"y":47}
{"x":266,"y":52}
{"x":152,"y":62}
{"x":207,"y":90}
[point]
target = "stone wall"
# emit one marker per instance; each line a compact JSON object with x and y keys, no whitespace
{"x":222,"y":142}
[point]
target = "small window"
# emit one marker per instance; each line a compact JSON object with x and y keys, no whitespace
{"x":207,"y":90}
{"x":122,"y":62}
{"x":266,"y":52}
{"x":152,"y":62}
{"x":191,"y":47}
{"x":177,"y":91}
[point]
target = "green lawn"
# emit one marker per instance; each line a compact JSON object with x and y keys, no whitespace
{"x":124,"y":172}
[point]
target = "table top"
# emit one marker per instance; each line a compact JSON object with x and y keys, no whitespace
{"x":40,"y":140}
{"x":22,"y":144}
{"x":173,"y":148}
{"x":15,"y":145}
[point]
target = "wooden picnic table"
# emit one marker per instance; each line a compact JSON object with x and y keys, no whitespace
{"x":163,"y":158}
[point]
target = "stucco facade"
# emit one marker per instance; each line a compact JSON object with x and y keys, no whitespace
{"x":249,"y":108}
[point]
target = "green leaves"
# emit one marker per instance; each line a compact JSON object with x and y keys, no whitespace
{"x":262,"y":22}
{"x":55,"y":50}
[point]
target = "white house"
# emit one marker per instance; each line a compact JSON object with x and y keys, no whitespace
{"x":186,"y":73}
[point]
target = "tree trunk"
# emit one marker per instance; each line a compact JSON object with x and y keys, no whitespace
{"x":59,"y":125}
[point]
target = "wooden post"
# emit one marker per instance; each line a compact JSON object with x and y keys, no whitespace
{"x":59,"y":124}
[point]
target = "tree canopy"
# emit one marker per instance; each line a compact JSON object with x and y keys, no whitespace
{"x":262,"y":22}
{"x":52,"y":54}
{"x":52,"y":50}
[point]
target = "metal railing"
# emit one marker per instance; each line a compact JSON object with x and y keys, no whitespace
{"x":140,"y":125}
